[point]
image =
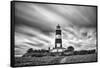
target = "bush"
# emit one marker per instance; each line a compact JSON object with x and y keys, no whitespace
{"x":70,"y":48}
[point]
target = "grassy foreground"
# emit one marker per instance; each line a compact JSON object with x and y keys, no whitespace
{"x":33,"y":61}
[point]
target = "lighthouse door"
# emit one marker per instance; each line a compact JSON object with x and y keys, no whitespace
{"x":58,"y":44}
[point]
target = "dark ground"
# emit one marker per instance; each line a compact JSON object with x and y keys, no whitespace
{"x":34,"y":61}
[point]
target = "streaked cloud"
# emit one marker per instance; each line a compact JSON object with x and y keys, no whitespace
{"x":35,"y":26}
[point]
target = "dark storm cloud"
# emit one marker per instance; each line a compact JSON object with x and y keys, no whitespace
{"x":35,"y":25}
{"x":45,"y":17}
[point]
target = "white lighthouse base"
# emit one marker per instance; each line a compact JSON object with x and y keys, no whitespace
{"x":58,"y":49}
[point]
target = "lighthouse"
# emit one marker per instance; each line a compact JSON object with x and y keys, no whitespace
{"x":58,"y":39}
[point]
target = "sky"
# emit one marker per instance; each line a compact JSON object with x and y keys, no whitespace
{"x":35,"y":26}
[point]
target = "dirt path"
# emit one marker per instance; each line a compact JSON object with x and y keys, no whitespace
{"x":56,"y":60}
{"x":63,"y":60}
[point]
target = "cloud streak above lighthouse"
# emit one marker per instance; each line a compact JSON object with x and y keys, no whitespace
{"x":35,"y":26}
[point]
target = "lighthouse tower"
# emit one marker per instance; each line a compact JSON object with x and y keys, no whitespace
{"x":58,"y":39}
{"x":58,"y":48}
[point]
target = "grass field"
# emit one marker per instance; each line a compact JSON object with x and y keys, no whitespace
{"x":79,"y":58}
{"x":55,"y":60}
